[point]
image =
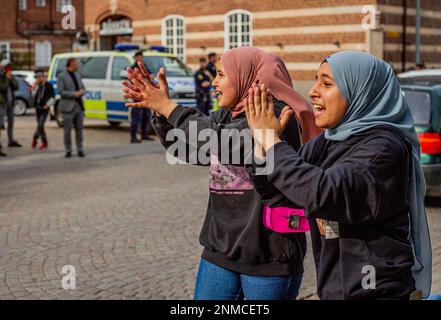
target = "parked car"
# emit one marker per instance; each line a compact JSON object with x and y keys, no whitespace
{"x":424,"y":101}
{"x":27,"y":74}
{"x":426,"y":77}
{"x":23,"y":96}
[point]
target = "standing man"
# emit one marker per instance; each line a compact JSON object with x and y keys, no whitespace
{"x":43,"y":99}
{"x":140,"y":116}
{"x":211,"y":66}
{"x":71,"y":89}
{"x":8,"y":85}
{"x":203,"y":81}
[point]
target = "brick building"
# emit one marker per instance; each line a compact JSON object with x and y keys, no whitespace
{"x":32,"y":30}
{"x":302,"y":32}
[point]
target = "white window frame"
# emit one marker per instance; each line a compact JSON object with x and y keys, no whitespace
{"x":22,"y":5}
{"x":40,"y":3}
{"x":48,"y":53}
{"x":175,"y":42}
{"x":62,"y":3}
{"x":8,"y":49}
{"x":227,"y":34}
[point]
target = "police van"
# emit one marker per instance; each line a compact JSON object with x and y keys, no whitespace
{"x":102,"y":73}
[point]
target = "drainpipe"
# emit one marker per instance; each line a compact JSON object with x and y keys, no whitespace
{"x":404,"y":39}
{"x":417,"y":32}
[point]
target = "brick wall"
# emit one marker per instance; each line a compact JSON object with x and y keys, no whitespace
{"x":301,"y":32}
{"x":430,"y":34}
{"x":36,"y":20}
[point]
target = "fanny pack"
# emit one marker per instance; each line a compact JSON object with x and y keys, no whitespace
{"x":285,"y":220}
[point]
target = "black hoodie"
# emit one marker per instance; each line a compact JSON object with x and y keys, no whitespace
{"x":355,"y":196}
{"x":233,"y":234}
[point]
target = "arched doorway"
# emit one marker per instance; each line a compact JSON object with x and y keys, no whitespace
{"x":115,"y":29}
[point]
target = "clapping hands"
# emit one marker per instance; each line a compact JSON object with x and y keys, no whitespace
{"x":147,"y":94}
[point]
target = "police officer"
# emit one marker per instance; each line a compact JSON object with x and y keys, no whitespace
{"x":140,"y":116}
{"x":203,"y":79}
{"x":211,"y":66}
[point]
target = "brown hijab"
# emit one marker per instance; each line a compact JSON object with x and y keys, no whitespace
{"x":247,"y":65}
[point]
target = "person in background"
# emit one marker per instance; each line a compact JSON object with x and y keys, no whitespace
{"x":8,"y":84}
{"x":139,"y":117}
{"x":420,"y":66}
{"x":71,"y":89}
{"x":203,"y":79}
{"x":211,"y":66}
{"x":43,"y":99}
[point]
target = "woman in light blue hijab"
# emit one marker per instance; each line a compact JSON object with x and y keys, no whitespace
{"x":360,"y":182}
{"x":372,"y":104}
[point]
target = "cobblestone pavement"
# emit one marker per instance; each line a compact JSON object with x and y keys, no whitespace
{"x":125,"y":219}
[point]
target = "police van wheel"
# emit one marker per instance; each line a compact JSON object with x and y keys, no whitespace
{"x":114,"y":123}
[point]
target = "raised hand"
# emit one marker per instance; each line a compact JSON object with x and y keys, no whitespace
{"x":265,"y":126}
{"x":146,"y":94}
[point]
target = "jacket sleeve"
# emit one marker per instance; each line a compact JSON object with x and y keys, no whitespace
{"x":14,"y":83}
{"x":203,"y":135}
{"x":50,"y":96}
{"x":61,"y":86}
{"x":270,"y":195}
{"x":4,"y":83}
{"x":81,"y":83}
{"x":350,"y":191}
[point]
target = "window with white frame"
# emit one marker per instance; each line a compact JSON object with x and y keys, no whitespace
{"x":238,"y":29}
{"x":43,"y":53}
{"x":5,"y":50}
{"x":173,"y":35}
{"x":62,"y":3}
{"x":22,"y":5}
{"x":40,"y":3}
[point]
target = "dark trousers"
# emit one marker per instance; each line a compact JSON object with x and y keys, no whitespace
{"x":204,"y":102}
{"x":70,"y":120}
{"x":41,"y":119}
{"x":145,"y":123}
{"x":10,"y":116}
{"x":7,"y":110}
{"x":140,"y":117}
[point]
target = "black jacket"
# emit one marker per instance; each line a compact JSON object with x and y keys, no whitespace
{"x":358,"y":190}
{"x":233,"y":234}
{"x":211,"y":67}
{"x":5,"y":83}
{"x":201,"y":76}
{"x":43,"y":97}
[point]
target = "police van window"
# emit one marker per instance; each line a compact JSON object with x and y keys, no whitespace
{"x":119,"y":64}
{"x":60,"y":66}
{"x":93,"y":67}
{"x":173,"y":66}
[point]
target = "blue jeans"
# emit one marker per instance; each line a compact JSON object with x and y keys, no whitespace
{"x":216,"y":283}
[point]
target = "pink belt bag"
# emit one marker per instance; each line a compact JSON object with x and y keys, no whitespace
{"x":285,"y":220}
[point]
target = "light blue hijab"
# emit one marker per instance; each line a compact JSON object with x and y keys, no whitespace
{"x":375,"y":98}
